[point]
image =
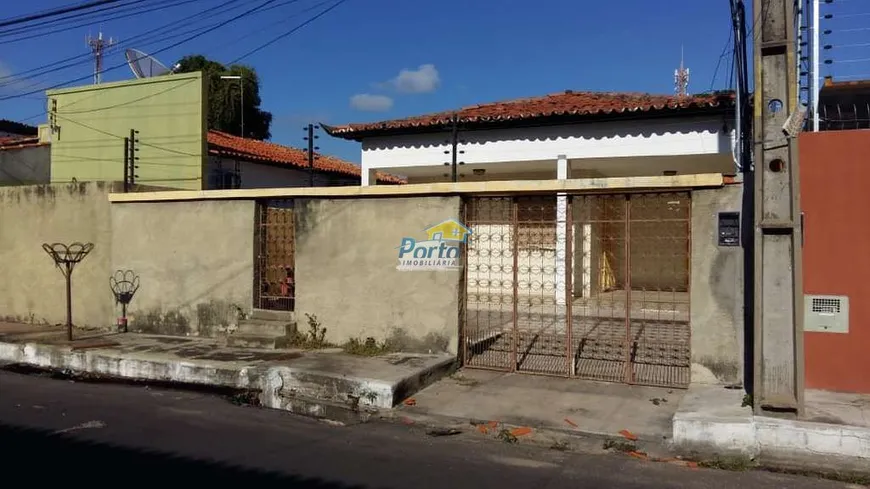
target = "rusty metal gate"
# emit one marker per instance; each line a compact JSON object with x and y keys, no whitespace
{"x":274,"y":274}
{"x":589,"y":286}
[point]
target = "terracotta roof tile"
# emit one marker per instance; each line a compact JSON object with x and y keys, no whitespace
{"x":256,"y":150}
{"x":565,"y":104}
{"x":18,"y":142}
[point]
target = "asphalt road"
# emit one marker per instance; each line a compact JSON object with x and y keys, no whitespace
{"x":99,"y":434}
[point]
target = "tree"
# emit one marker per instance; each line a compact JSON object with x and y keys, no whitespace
{"x":224,"y":97}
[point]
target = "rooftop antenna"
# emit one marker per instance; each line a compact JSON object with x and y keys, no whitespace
{"x":98,"y":46}
{"x":145,"y":66}
{"x":681,"y":78}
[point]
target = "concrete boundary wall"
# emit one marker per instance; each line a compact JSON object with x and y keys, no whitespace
{"x":194,"y":253}
{"x":716,"y":290}
{"x":32,"y":289}
{"x":346,"y":259}
{"x":195,"y":262}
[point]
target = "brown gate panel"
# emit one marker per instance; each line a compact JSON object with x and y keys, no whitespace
{"x":659,"y":230}
{"x":541,"y":324}
{"x":274,"y":277}
{"x":594,"y":286}
{"x":488,"y":336}
{"x":598,"y":316}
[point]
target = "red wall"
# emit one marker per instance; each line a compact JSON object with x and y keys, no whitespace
{"x":835,"y":198}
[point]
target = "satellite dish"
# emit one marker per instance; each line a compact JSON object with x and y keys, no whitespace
{"x":145,"y":65}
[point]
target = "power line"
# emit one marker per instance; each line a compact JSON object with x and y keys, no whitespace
{"x":148,"y":37}
{"x":53,"y":66}
{"x":140,"y":99}
{"x":58,"y":11}
{"x":160,"y":6}
{"x":94,"y":14}
{"x":107,"y":133}
{"x":721,"y":57}
{"x":187,"y":39}
{"x":278,"y":22}
{"x":288,"y":33}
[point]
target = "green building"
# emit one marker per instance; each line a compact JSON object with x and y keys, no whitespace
{"x":169,"y":114}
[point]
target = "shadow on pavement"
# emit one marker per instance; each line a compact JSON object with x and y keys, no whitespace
{"x":65,"y":459}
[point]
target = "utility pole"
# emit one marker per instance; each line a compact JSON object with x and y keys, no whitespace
{"x":98,"y":46}
{"x":132,"y":144}
{"x":778,"y":295}
{"x":312,"y":149}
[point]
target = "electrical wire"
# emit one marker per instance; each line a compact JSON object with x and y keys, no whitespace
{"x":288,"y":33}
{"x":93,"y":15}
{"x":856,"y":60}
{"x":115,"y":67}
{"x":235,"y":41}
{"x":140,"y":99}
{"x":149,"y":34}
{"x":56,"y":12}
{"x":138,"y":10}
{"x":721,"y":57}
{"x":161,"y":6}
{"x":107,"y":133}
{"x":42,"y":113}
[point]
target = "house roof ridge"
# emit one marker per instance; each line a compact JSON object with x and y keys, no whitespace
{"x":568,"y":103}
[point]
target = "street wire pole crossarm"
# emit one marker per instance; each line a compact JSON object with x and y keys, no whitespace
{"x":778,"y":322}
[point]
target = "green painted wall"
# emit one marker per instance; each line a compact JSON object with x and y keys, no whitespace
{"x":91,"y":122}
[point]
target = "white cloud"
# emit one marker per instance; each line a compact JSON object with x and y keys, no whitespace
{"x":422,"y":80}
{"x":371,"y":103}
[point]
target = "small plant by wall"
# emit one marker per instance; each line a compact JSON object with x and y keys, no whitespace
{"x":314,"y":338}
{"x":369,"y":347}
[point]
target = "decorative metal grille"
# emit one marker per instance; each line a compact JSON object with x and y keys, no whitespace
{"x":593,"y":286}
{"x":275,"y":278}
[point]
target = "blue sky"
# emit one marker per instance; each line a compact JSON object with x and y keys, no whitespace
{"x":406,"y":57}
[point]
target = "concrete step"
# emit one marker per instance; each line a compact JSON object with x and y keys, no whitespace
{"x":267,"y":315}
{"x":266,"y":328}
{"x":262,"y":342}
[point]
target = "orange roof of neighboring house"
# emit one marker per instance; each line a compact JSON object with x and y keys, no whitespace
{"x":568,"y":104}
{"x":18,"y":142}
{"x":256,"y":150}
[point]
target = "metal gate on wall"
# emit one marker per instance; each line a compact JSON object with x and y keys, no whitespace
{"x":274,"y":270}
{"x":587,"y":286}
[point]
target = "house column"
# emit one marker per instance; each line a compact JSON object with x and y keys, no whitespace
{"x":561,"y":232}
{"x":368,"y":176}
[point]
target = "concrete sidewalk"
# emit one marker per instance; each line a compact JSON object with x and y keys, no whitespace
{"x":320,"y":383}
{"x":705,"y":422}
{"x":550,"y":410}
{"x":835,"y":435}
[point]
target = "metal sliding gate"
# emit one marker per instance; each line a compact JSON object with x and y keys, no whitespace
{"x":274,"y":270}
{"x":588,"y":286}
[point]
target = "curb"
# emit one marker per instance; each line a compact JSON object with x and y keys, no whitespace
{"x":552,"y":438}
{"x":321,"y":395}
{"x":779,"y":443}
